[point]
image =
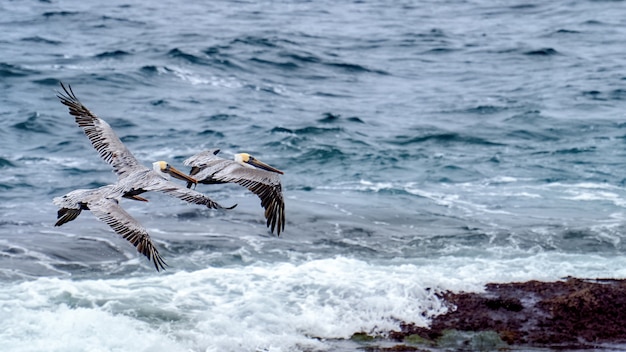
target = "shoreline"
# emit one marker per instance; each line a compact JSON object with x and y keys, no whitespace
{"x":570,"y":314}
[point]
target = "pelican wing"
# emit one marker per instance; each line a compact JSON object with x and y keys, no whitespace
{"x":153,"y":182}
{"x":110,"y":212}
{"x":101,"y":135}
{"x":207,"y":167}
{"x":65,"y":215}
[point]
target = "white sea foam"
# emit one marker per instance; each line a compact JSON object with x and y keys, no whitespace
{"x":503,"y":196}
{"x":596,"y":195}
{"x":268,"y":307}
{"x":198,"y":79}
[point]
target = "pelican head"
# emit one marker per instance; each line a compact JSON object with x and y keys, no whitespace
{"x":166,"y":170}
{"x":248,"y":160}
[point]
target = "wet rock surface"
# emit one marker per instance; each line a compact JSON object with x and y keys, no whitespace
{"x":568,"y":314}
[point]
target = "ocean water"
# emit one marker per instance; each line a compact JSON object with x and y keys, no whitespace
{"x":427,"y":146}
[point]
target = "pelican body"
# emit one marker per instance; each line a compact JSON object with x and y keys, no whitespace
{"x":261,"y":179}
{"x":133,"y":179}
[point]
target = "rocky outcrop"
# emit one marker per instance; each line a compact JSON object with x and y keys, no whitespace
{"x":573,"y":313}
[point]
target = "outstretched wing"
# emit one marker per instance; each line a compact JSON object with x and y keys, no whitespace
{"x":153,"y":182}
{"x":110,"y":212}
{"x":101,"y":135}
{"x":207,"y":167}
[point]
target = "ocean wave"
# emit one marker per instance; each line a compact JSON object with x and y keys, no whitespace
{"x":193,"y":77}
{"x":210,"y":132}
{"x":290,"y":318}
{"x":49,"y":14}
{"x":355,"y":68}
{"x":275,"y":50}
{"x":311,"y":306}
{"x":4,"y":163}
{"x":615,"y":94}
{"x":47,"y":81}
{"x":10,"y":70}
{"x":42,"y":40}
{"x":208,"y":57}
{"x":542,"y":52}
{"x":323,"y":154}
{"x":534,"y":135}
{"x":336,"y":118}
{"x":276,"y":64}
{"x":191,"y":58}
{"x":115,"y":54}
{"x":575,"y":150}
{"x":315,"y":131}
{"x":487,"y":109}
{"x":443,"y":138}
{"x":269,"y":42}
{"x":282,"y":130}
{"x":35,"y":123}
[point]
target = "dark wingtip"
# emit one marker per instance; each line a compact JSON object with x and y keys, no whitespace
{"x":157,"y":260}
{"x":62,"y":220}
{"x":67,"y":91}
{"x":65,"y":215}
{"x":69,"y":97}
{"x":160,"y":265}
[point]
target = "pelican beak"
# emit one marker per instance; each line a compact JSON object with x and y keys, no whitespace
{"x":136,"y":197}
{"x":261,"y":165}
{"x":174,"y":172}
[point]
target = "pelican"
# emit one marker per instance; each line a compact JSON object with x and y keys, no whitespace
{"x":245,"y":170}
{"x":104,"y":204}
{"x":133,"y":178}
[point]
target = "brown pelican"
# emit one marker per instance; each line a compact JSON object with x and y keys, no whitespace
{"x":133,"y":178}
{"x":104,"y":204}
{"x":247,"y":171}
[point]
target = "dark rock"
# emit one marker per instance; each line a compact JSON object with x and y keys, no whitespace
{"x":397,"y":348}
{"x":572,"y":313}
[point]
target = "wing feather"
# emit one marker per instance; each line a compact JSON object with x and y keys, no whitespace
{"x":110,"y":212}
{"x":65,"y":215}
{"x":102,"y":137}
{"x":174,"y":190}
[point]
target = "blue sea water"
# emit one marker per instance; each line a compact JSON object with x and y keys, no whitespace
{"x":427,"y":146}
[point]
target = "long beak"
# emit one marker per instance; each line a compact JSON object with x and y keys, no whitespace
{"x":136,"y":197}
{"x":261,"y":165}
{"x":174,"y":172}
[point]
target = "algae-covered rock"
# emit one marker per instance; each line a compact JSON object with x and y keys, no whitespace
{"x":396,"y":348}
{"x":416,"y":339}
{"x":487,"y":341}
{"x":471,"y":340}
{"x":362,"y":337}
{"x":574,"y":313}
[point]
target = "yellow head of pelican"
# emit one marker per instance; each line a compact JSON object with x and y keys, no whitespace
{"x":248,"y":160}
{"x":166,"y":170}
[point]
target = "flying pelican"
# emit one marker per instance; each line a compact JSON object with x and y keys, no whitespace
{"x":247,"y":171}
{"x":104,"y":204}
{"x":133,"y":178}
